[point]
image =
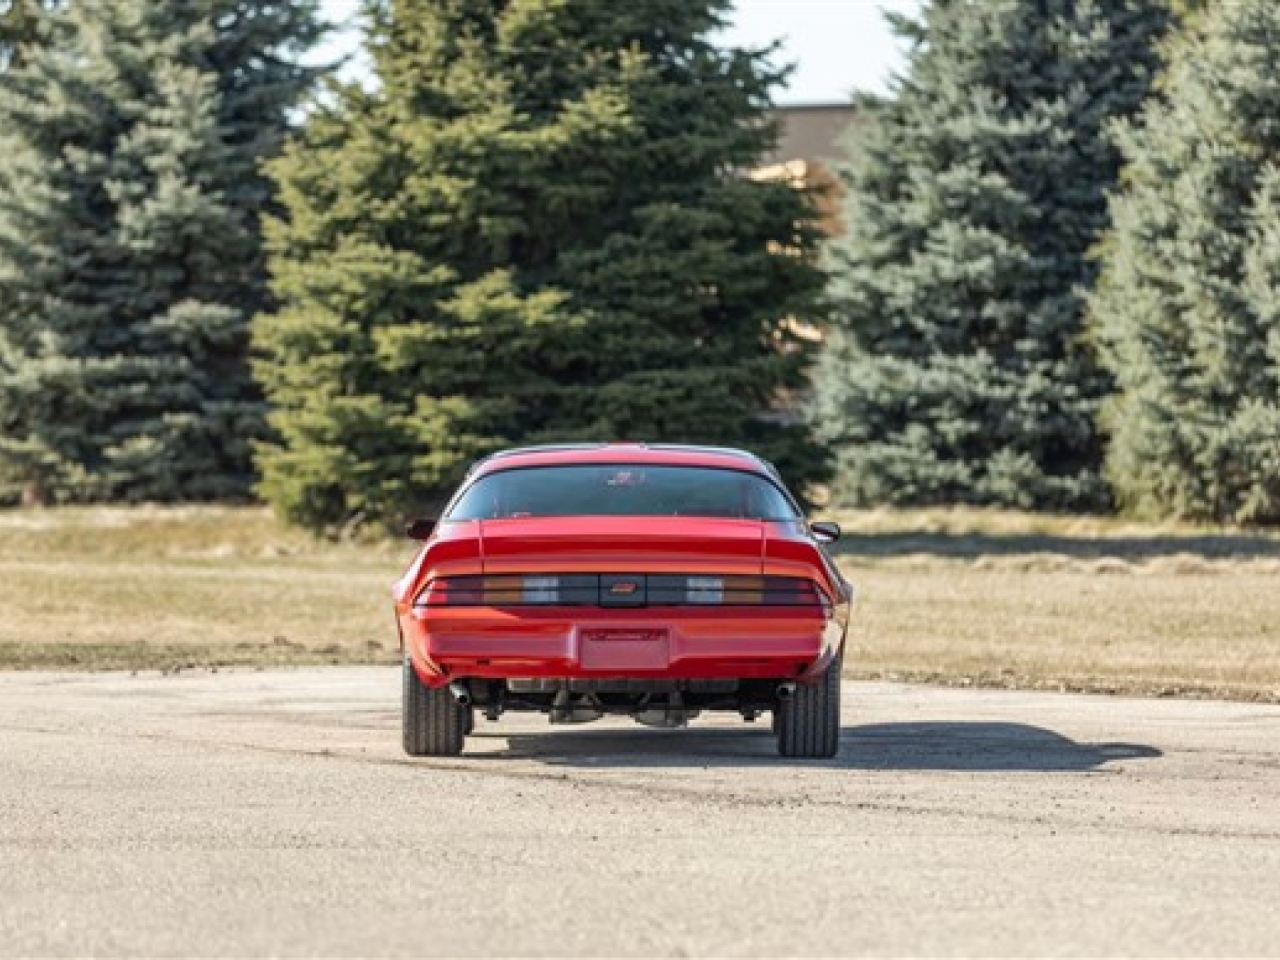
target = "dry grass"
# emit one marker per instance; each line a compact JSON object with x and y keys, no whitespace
{"x":1150,"y":631}
{"x":150,"y":587}
{"x":958,"y":596}
{"x":1006,"y":599}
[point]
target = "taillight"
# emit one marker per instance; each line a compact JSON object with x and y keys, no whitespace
{"x":654,"y":590}
{"x":458,"y":591}
{"x":507,"y":591}
{"x":734,"y":591}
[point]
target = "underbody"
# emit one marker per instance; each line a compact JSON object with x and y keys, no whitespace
{"x":655,"y":703}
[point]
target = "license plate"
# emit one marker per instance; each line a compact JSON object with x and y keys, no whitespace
{"x":625,"y":648}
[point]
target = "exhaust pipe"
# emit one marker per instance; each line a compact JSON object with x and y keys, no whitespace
{"x":786,"y":691}
{"x":461,"y":692}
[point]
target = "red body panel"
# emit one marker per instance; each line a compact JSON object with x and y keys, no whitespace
{"x":622,"y":544}
{"x":648,"y":642}
{"x":667,"y":642}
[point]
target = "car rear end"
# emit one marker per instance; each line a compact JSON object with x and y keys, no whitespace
{"x":516,"y":604}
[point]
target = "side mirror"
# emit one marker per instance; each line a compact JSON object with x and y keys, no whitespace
{"x":419,"y":529}
{"x":824,"y":531}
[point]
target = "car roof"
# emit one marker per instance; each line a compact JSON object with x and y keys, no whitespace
{"x":670,"y":454}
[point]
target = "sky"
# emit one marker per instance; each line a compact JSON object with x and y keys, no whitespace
{"x":838,"y":46}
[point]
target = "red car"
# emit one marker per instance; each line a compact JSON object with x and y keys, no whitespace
{"x":644,"y":580}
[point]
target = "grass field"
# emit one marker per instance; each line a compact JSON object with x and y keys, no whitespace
{"x":150,"y":587}
{"x":969,"y":597}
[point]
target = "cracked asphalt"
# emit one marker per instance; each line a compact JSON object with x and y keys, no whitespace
{"x":272,"y":813}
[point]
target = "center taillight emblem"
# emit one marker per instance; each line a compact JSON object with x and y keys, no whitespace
{"x":624,"y":588}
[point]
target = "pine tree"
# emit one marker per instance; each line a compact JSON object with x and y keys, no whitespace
{"x":1188,"y":313}
{"x":20,"y":26}
{"x":537,"y":228}
{"x":130,"y":251}
{"x":954,"y":370}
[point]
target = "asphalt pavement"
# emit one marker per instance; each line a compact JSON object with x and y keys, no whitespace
{"x":272,"y":813}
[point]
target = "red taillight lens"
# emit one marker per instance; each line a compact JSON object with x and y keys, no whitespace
{"x":794,"y":592}
{"x":452,"y":591}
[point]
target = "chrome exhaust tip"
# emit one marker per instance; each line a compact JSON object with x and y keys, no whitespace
{"x":461,"y":693}
{"x":786,"y":691}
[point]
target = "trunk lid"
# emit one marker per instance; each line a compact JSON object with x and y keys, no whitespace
{"x":622,"y":545}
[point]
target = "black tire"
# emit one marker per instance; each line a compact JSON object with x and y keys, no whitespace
{"x":808,"y":724}
{"x":435,"y":725}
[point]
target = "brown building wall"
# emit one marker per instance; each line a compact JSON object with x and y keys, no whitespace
{"x":809,"y":145}
{"x":811,"y":132}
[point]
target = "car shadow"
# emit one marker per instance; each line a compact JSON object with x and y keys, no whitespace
{"x":962,"y":747}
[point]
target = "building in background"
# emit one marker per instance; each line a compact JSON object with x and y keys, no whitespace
{"x":809,"y":147}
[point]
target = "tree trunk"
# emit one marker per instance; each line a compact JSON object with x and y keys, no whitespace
{"x":33,"y":494}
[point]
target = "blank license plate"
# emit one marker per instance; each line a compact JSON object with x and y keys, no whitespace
{"x":619,"y":648}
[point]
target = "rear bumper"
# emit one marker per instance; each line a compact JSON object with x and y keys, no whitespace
{"x":592,"y":642}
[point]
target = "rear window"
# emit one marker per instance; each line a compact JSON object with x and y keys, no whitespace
{"x":623,"y":490}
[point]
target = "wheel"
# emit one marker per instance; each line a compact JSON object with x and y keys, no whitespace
{"x":808,"y":724}
{"x":435,"y":724}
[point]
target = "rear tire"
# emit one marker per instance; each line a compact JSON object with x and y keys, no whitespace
{"x":435,"y":724}
{"x":808,"y":724}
